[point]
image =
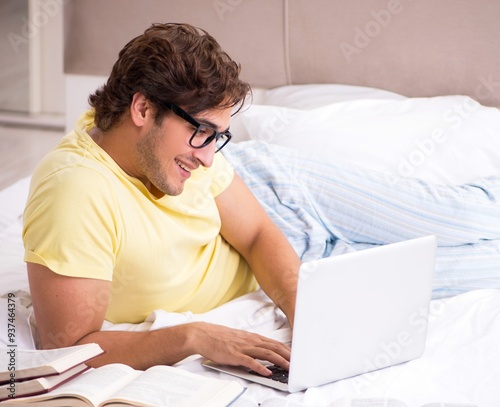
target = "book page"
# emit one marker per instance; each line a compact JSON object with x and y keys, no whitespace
{"x":219,"y":393}
{"x":39,"y":385}
{"x":96,"y":385}
{"x":37,"y":360}
{"x":27,"y":359}
{"x":169,"y":386}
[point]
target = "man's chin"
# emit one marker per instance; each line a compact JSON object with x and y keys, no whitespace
{"x":171,"y":190}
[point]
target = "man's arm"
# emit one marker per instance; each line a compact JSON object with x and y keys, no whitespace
{"x":247,"y":227}
{"x":70,"y":311}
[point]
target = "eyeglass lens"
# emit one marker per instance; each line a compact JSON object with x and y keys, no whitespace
{"x":204,"y":135}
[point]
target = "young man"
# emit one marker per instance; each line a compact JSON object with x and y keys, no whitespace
{"x":135,"y":210}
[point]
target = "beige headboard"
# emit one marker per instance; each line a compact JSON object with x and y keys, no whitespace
{"x":413,"y":47}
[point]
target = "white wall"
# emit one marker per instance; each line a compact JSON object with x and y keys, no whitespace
{"x":78,"y":89}
{"x":32,"y":85}
{"x":14,"y":60}
{"x":46,"y":35}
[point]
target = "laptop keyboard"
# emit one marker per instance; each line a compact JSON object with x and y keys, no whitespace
{"x":279,"y":374}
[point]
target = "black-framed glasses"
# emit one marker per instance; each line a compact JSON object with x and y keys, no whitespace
{"x":203,"y":134}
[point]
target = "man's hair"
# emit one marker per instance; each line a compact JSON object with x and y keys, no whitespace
{"x":175,"y":63}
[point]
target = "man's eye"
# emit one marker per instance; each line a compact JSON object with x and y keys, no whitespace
{"x":205,"y":131}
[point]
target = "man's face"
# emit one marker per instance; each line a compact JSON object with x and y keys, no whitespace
{"x":164,"y":156}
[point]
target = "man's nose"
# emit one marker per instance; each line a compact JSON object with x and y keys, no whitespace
{"x":205,"y":155}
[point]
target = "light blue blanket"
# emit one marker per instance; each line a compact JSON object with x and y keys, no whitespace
{"x":327,"y":208}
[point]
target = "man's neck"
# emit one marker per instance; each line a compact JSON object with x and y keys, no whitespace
{"x":118,"y":143}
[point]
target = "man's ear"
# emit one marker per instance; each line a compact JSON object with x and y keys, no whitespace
{"x":139,"y":109}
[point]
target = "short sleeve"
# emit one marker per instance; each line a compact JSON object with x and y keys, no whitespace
{"x":69,"y":223}
{"x":222,"y":174}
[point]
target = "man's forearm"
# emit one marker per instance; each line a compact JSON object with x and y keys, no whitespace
{"x":142,"y":350}
{"x":167,"y":346}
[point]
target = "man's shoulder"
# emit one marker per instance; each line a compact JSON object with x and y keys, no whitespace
{"x":89,"y":175}
{"x":69,"y":183}
{"x":62,"y":196}
{"x":221,"y":173}
{"x":70,"y":163}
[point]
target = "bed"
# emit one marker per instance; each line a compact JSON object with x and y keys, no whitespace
{"x":365,"y":95}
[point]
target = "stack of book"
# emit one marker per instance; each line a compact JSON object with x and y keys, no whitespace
{"x":61,"y":377}
{"x":30,"y":372}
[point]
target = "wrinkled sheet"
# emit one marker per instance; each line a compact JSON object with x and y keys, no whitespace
{"x":459,"y":368}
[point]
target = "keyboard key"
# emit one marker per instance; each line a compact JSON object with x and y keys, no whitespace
{"x":278,"y":374}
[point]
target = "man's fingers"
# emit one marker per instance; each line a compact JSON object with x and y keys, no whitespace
{"x":240,"y":348}
{"x":255,"y":365}
{"x":269,"y":356}
{"x":274,"y":352}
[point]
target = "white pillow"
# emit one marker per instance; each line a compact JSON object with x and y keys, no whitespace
{"x":317,"y":95}
{"x":447,"y":139}
{"x":306,"y":97}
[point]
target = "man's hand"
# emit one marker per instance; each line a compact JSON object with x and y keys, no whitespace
{"x":236,"y":347}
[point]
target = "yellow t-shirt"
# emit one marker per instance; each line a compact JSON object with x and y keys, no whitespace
{"x":85,"y":217}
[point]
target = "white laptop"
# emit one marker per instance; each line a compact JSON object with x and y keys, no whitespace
{"x":355,"y":313}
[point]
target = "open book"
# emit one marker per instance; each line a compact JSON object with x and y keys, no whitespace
{"x":120,"y":385}
{"x":21,"y":364}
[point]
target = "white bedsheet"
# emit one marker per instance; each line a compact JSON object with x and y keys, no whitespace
{"x":460,"y":367}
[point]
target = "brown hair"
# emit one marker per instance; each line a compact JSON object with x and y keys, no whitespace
{"x":175,"y":63}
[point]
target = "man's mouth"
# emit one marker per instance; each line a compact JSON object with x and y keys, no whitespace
{"x":183,"y":166}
